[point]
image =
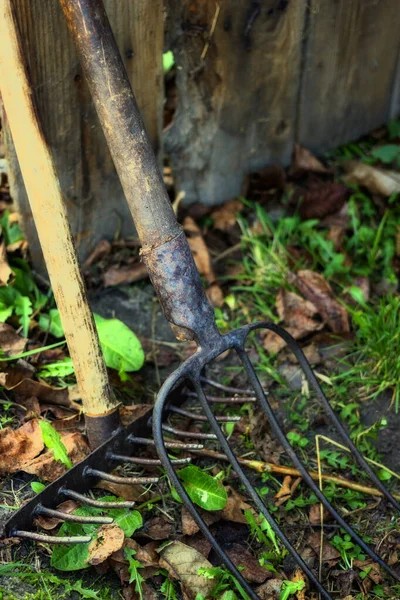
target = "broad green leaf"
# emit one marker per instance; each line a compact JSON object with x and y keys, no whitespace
{"x":229,"y":596}
{"x":62,"y":368}
{"x":51,"y":323}
{"x":121,"y":348}
{"x":52,"y":440}
{"x":8,"y":297}
{"x":23,"y":308}
{"x":203,"y":489}
{"x":5,"y":312}
{"x":11,"y":231}
{"x":37,"y":487}
{"x":70,"y":557}
{"x":386,"y":154}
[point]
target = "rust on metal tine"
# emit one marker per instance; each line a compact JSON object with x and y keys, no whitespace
{"x":64,"y":516}
{"x":230,"y":400}
{"x":196,"y":417}
{"x":51,"y":539}
{"x":96,"y":503}
{"x":194,"y":434}
{"x":154,"y":462}
{"x":117,"y":479}
{"x":168,"y":444}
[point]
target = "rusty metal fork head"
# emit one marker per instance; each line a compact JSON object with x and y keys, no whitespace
{"x":172,"y":271}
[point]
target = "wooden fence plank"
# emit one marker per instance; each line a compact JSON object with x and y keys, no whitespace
{"x":95,"y":201}
{"x":349,"y":70}
{"x":237,"y":104}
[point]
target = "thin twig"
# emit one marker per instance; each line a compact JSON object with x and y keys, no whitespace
{"x":213,"y":26}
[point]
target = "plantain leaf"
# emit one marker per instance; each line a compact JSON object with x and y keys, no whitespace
{"x":121,"y":348}
{"x":23,"y":307}
{"x":203,"y":489}
{"x":52,"y":440}
{"x":51,"y":323}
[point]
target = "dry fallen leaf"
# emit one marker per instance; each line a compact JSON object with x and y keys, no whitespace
{"x":110,"y":538}
{"x":252,"y":571}
{"x":10,"y":342}
{"x":19,"y":446}
{"x":118,"y":275}
{"x":5,"y":271}
{"x":377,"y":181}
{"x":320,"y":199}
{"x":23,"y":386}
{"x":102,"y":249}
{"x":304,"y":160}
{"x":298,"y":316}
{"x":285,"y":491}
{"x":234,"y":507}
{"x":330,"y":555}
{"x":203,"y":260}
{"x":47,"y":468}
{"x":315,"y":289}
{"x":225,"y":216}
{"x":189,"y":525}
{"x":183,"y":563}
{"x":159,"y":528}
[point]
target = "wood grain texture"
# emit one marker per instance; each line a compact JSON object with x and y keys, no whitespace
{"x":96,"y":205}
{"x":349,"y":70}
{"x":50,"y":216}
{"x":236,"y":108}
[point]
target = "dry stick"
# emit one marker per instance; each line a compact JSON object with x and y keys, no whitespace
{"x":264,"y":467}
{"x":50,"y":215}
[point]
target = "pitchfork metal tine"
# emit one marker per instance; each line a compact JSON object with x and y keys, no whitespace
{"x":95,"y":503}
{"x":64,"y":516}
{"x":193,"y":434}
{"x":197,"y":417}
{"x":312,"y":380}
{"x":168,"y":444}
{"x":89,"y":472}
{"x":51,"y":539}
{"x":138,"y":460}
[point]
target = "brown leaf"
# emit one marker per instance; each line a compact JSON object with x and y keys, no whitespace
{"x":102,"y":249}
{"x":123,"y":490}
{"x":285,"y":491}
{"x":129,"y":592}
{"x":377,"y":181}
{"x":304,"y":160}
{"x":201,"y":256}
{"x":253,"y":572}
{"x":315,"y":289}
{"x":234,"y":507}
{"x":110,"y":538}
{"x":198,"y":542}
{"x":330,"y":555}
{"x":315,"y":514}
{"x":159,"y":528}
{"x":189,"y":525}
{"x":215,"y":295}
{"x":270,"y":590}
{"x":32,"y":408}
{"x":49,"y":523}
{"x":374,"y":573}
{"x":118,"y":275}
{"x":320,"y":199}
{"x":47,"y":468}
{"x":10,"y":342}
{"x":225,"y":216}
{"x":183,"y":563}
{"x":19,"y":446}
{"x":15,"y":380}
{"x":5,"y":271}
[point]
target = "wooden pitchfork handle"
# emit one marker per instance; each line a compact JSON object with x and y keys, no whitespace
{"x":50,"y":216}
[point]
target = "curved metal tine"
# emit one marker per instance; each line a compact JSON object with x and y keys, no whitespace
{"x":51,"y":539}
{"x":190,"y":434}
{"x":89,"y":472}
{"x":64,"y":516}
{"x":162,"y":446}
{"x":299,"y":464}
{"x":312,"y":380}
{"x":91,"y":502}
{"x":154,"y":462}
{"x":196,"y":417}
{"x":168,"y":444}
{"x":252,"y":492}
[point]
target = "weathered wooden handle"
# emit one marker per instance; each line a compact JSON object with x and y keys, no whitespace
{"x":51,"y":221}
{"x":122,"y":124}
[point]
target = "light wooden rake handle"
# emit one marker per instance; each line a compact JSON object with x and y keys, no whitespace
{"x":50,"y":215}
